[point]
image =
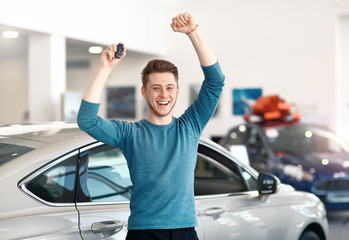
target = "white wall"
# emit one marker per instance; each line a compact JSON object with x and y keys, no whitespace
{"x":103,"y":21}
{"x":286,"y":47}
{"x":342,"y":104}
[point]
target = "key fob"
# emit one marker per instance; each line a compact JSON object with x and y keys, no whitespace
{"x":119,"y":50}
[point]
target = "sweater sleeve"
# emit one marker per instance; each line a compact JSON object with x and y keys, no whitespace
{"x":107,"y":131}
{"x":201,"y":111}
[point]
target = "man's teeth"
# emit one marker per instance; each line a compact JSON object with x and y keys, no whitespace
{"x":163,"y":103}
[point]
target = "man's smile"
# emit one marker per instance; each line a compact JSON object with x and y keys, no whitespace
{"x":163,"y":103}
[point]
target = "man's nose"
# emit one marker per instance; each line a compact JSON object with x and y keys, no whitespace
{"x":163,"y":92}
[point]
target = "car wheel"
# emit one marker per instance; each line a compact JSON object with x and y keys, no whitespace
{"x":309,"y":235}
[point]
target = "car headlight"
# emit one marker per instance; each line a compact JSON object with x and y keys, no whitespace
{"x":298,"y":173}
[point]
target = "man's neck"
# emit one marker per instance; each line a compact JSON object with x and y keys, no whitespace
{"x":160,"y":120}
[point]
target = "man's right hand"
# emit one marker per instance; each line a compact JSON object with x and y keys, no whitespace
{"x":108,"y":59}
{"x":106,"y":64}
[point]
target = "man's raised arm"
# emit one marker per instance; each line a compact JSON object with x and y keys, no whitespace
{"x":106,"y":64}
{"x":185,"y":23}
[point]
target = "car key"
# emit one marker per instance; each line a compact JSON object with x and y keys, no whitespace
{"x":119,"y":50}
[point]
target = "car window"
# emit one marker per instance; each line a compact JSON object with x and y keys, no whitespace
{"x":249,"y":179}
{"x":256,"y":151}
{"x":108,"y":178}
{"x":56,"y":184}
{"x":211,"y":177}
{"x":250,"y":137}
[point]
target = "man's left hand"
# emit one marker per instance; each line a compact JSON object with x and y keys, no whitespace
{"x":183,"y":23}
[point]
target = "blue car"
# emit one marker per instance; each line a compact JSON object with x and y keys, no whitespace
{"x":307,"y":157}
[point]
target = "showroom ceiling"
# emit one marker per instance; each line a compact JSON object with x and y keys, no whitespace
{"x":18,"y":47}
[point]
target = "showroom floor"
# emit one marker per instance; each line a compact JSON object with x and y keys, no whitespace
{"x":339,"y":224}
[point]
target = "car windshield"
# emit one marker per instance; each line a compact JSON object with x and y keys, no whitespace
{"x":301,"y":139}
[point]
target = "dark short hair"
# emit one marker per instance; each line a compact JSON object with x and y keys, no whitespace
{"x":158,"y":65}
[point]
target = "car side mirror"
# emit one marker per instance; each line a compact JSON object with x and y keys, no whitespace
{"x":267,"y":183}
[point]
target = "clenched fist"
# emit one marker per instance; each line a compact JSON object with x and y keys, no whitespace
{"x":183,"y":23}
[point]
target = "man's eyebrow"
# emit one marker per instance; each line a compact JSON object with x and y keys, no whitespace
{"x":159,"y":85}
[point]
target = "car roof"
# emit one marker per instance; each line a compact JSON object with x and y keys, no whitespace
{"x":32,"y":144}
{"x":47,"y":133}
{"x":58,"y":134}
{"x":51,"y":133}
{"x":50,"y":138}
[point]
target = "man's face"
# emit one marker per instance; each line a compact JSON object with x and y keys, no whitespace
{"x":161,"y":93}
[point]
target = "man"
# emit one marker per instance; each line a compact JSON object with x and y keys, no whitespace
{"x":160,"y":150}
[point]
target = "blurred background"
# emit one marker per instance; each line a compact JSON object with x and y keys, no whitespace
{"x":296,"y":49}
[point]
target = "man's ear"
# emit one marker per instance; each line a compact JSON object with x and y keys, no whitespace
{"x":177,"y":91}
{"x":143,"y":91}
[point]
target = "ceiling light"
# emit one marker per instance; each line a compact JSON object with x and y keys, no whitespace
{"x":95,"y":49}
{"x":10,"y":34}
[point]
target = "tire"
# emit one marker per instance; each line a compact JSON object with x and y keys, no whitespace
{"x":309,"y":235}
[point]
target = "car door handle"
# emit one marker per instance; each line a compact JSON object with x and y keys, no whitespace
{"x":215,"y":211}
{"x":106,"y":228}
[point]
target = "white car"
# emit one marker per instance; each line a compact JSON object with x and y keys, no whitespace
{"x":56,"y":182}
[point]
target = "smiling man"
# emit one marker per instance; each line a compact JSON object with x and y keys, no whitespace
{"x":160,"y":150}
{"x":160,"y":89}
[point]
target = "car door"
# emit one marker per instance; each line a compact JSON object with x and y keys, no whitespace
{"x":228,"y":203}
{"x":105,"y":190}
{"x":53,"y":215}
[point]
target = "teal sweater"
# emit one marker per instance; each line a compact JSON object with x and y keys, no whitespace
{"x":161,"y":158}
